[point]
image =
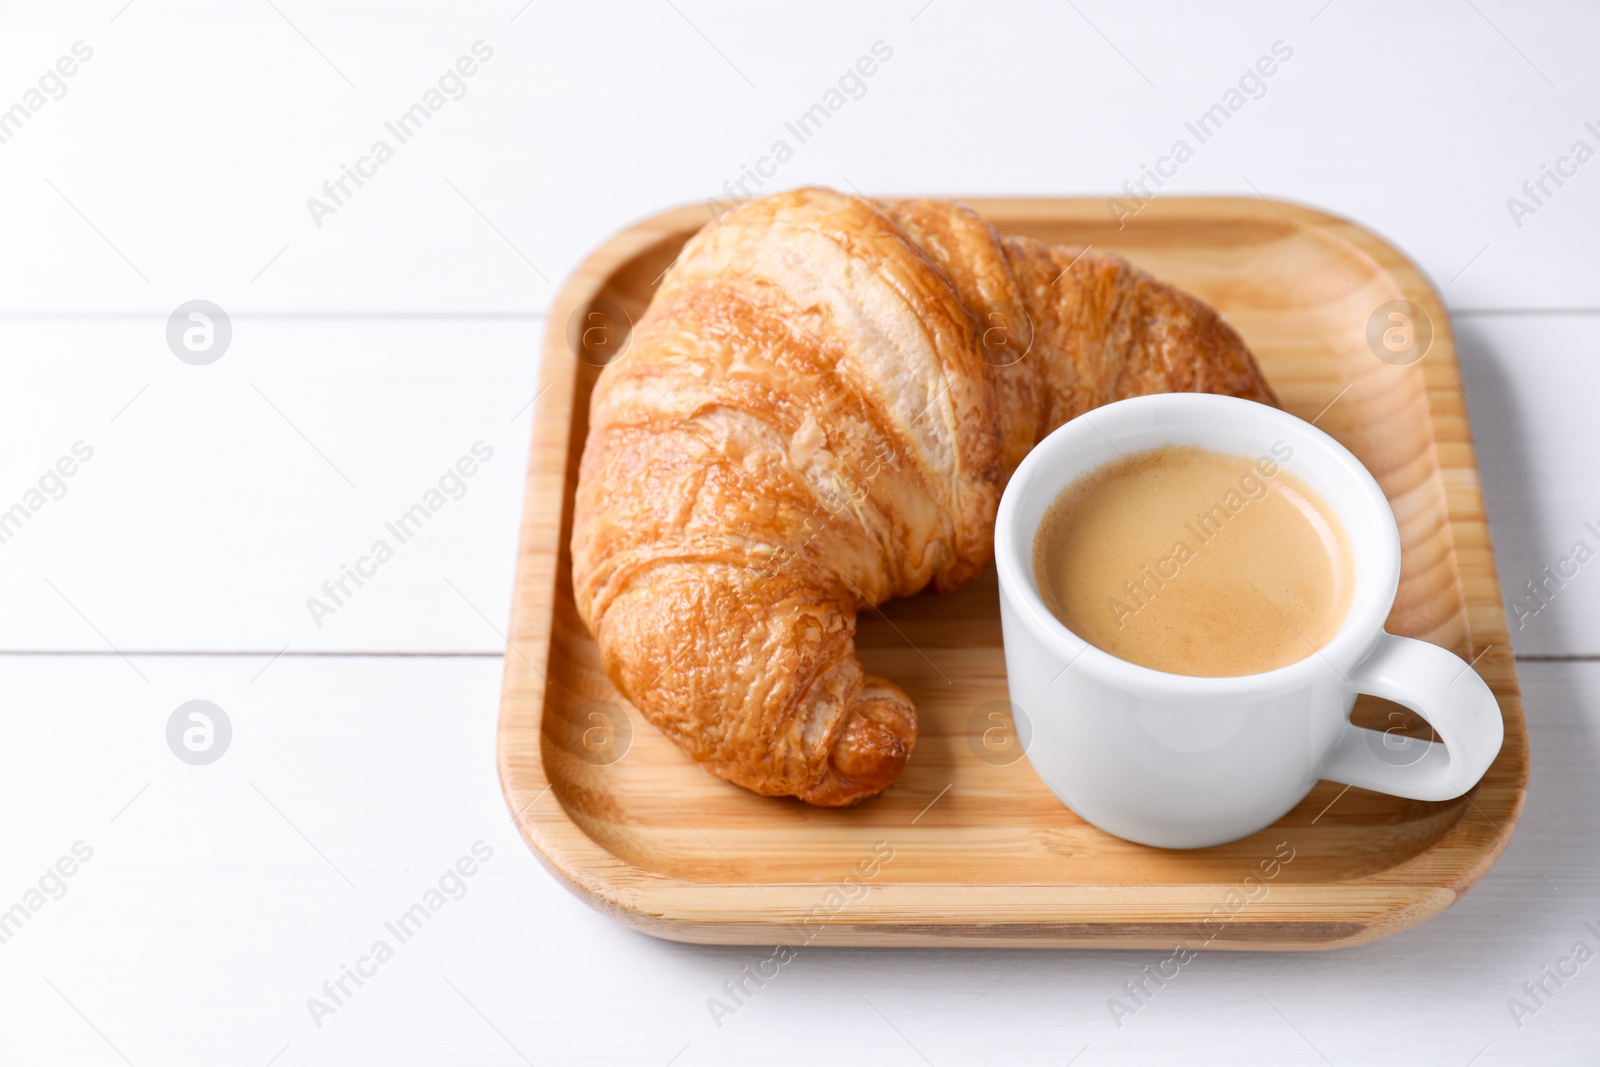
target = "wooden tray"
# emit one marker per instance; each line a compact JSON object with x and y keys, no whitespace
{"x":969,"y":848}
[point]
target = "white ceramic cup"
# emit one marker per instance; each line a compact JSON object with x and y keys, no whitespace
{"x":1185,"y":762}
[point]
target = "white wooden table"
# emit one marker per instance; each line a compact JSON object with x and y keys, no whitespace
{"x":376,"y":342}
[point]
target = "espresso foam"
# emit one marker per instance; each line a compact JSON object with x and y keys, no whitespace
{"x":1196,"y":562}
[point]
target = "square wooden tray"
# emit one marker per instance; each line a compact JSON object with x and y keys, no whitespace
{"x":967,"y":848}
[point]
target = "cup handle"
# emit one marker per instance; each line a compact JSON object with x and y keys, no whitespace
{"x":1444,"y":690}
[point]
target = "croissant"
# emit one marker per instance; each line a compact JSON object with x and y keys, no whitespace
{"x":817,"y":412}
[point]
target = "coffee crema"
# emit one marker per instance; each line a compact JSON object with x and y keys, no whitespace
{"x":1196,"y":562}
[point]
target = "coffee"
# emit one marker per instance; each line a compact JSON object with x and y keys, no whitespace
{"x":1196,"y":562}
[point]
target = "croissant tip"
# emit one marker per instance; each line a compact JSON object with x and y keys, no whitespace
{"x":871,"y":750}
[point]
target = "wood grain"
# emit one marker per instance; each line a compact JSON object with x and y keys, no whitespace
{"x":961,"y":850}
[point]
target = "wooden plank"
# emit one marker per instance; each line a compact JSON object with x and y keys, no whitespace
{"x":251,"y":159}
{"x":199,"y":873}
{"x":391,"y":399}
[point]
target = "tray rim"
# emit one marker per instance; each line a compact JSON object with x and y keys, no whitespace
{"x":729,"y":913}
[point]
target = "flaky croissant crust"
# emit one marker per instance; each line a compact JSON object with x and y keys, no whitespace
{"x":818,"y":412}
